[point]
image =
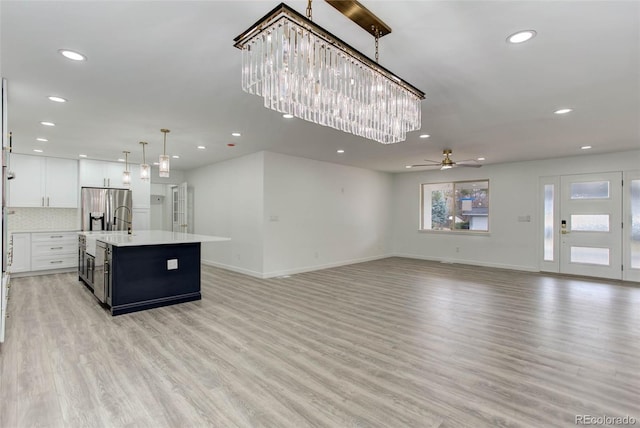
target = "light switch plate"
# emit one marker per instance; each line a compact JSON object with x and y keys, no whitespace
{"x":172,"y":264}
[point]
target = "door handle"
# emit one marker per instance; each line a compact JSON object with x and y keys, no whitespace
{"x":564,"y":232}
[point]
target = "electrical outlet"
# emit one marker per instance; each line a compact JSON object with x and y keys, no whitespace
{"x":172,"y":264}
{"x":457,"y":249}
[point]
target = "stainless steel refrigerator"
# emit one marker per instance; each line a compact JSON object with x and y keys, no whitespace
{"x":105,"y":208}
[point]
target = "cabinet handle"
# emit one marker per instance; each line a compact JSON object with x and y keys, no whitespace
{"x":47,"y":201}
{"x":42,"y":201}
{"x":56,"y":261}
{"x":55,"y":236}
{"x":56,"y":248}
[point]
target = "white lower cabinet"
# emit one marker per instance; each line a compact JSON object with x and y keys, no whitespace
{"x":41,"y":251}
{"x":54,"y":250}
{"x":20,"y":253}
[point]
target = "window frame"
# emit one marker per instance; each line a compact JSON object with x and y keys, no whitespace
{"x":454,"y":231}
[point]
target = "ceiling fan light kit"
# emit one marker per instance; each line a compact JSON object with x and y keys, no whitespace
{"x":447,"y":162}
{"x":302,"y":70}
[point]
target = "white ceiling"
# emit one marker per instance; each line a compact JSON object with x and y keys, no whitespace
{"x":172,"y":64}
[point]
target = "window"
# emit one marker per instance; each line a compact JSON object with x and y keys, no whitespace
{"x":458,"y":206}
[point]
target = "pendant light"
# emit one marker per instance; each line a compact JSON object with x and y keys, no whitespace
{"x":126,"y":175}
{"x":164,"y":159}
{"x":145,"y":170}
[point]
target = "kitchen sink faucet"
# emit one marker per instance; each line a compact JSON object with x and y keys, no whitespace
{"x":128,"y":222}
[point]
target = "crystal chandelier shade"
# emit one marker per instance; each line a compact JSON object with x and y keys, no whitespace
{"x":303,"y":70}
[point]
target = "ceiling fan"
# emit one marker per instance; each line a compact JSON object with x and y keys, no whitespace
{"x":447,"y":163}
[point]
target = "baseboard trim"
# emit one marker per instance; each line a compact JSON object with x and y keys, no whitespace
{"x":468,"y":262}
{"x":274,"y":274}
{"x":232,"y":268}
{"x":294,"y":271}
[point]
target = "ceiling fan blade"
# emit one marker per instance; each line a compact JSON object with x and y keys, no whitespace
{"x":435,"y":162}
{"x":425,"y":165}
{"x":468,"y":165}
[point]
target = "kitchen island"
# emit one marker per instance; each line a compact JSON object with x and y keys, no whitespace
{"x":146,"y":269}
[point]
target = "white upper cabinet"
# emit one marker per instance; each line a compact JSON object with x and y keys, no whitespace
{"x":62,"y":183}
{"x":43,"y":182}
{"x":109,"y":174}
{"x":95,"y":173}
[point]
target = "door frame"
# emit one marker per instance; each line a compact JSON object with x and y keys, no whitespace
{"x":553,"y":265}
{"x":628,"y":273}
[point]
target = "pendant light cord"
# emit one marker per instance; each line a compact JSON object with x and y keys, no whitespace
{"x":309,"y":10}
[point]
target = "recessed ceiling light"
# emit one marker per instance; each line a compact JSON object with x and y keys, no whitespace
{"x":236,"y":134}
{"x":287,"y":116}
{"x":340,"y":151}
{"x":120,"y":160}
{"x":37,"y":150}
{"x":201,"y":147}
{"x":42,"y":139}
{"x":408,"y":166}
{"x":425,"y":136}
{"x":47,"y":123}
{"x":563,"y":111}
{"x":57,"y":99}
{"x":521,"y":36}
{"x":82,"y":156}
{"x":175,"y":157}
{"x":585,"y":147}
{"x":480,"y":159}
{"x":72,"y":55}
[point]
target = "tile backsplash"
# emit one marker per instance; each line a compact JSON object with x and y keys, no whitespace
{"x":36,"y":219}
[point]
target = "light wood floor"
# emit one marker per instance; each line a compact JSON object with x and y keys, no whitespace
{"x":389,"y":343}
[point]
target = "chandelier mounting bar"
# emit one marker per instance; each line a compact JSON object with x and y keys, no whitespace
{"x":362,"y":16}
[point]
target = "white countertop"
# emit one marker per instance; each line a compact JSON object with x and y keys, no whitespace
{"x":150,"y":237}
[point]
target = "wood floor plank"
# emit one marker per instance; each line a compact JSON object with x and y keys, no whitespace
{"x":389,"y":343}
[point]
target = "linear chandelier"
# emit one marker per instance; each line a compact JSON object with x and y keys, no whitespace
{"x":303,"y":70}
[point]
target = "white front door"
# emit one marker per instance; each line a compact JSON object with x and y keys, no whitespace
{"x":180,"y":208}
{"x":591,"y":225}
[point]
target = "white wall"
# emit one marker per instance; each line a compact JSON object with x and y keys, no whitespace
{"x":228,"y":201}
{"x":513,"y":192}
{"x":319,"y":214}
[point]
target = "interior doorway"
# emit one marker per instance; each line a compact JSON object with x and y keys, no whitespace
{"x":179,"y":206}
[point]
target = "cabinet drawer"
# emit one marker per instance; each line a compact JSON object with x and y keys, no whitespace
{"x":61,"y":261}
{"x":52,"y":249}
{"x":54,"y":237}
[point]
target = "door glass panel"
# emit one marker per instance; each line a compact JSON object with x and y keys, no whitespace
{"x":635,"y":224}
{"x":590,"y":255}
{"x":590,"y":190}
{"x":590,"y":222}
{"x":548,"y":222}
